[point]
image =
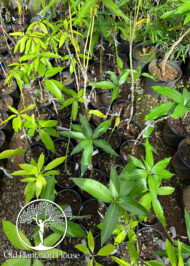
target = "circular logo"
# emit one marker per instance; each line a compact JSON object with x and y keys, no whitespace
{"x":38,"y":220}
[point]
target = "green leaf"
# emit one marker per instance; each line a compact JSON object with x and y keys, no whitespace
{"x":11,"y":233}
{"x":179,"y":111}
{"x":72,"y":134}
{"x":152,"y":186}
{"x":37,"y":263}
{"x":187,"y":222}
{"x":12,"y":109}
{"x":107,"y":250}
{"x":102,"y":85}
{"x":82,"y":248}
{"x":73,"y":229}
{"x":153,"y":263}
{"x":115,"y":9}
{"x":86,"y":158}
{"x":74,"y":110}
{"x":165,"y":191}
{"x":46,"y":139}
{"x":51,"y":240}
{"x":104,"y":145}
{"x":94,"y":188}
{"x":137,"y":162}
{"x":132,"y":206}
{"x":110,"y":222}
{"x":101,"y":129}
{"x":132,"y":251}
{"x":91,"y":241}
{"x":187,"y":18}
{"x":169,"y":92}
{"x":80,"y":146}
{"x":51,"y":3}
{"x":53,"y":71}
{"x":84,"y":10}
{"x":171,"y":253}
{"x":48,"y":192}
{"x":39,"y":185}
{"x":161,"y":110}
{"x":86,"y":129}
{"x":52,"y":87}
{"x":17,"y":123}
{"x":162,"y":173}
{"x":149,"y":76}
{"x":41,"y":70}
{"x":11,"y":153}
{"x":132,"y":174}
{"x":161,"y":164}
{"x":18,"y":262}
{"x":159,"y":211}
{"x":55,"y":163}
{"x":120,"y":262}
{"x":149,"y":155}
{"x":41,"y":161}
{"x":114,"y":183}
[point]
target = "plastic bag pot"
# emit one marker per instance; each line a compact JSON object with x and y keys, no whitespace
{"x":181,"y":159}
{"x":185,"y":66}
{"x":102,"y":99}
{"x":34,"y":152}
{"x":63,"y":179}
{"x":6,"y":126}
{"x":69,"y":197}
{"x":96,"y":209}
{"x":95,"y":68}
{"x":5,"y":89}
{"x":137,"y":61}
{"x":149,"y":237}
{"x":61,"y":147}
{"x":149,"y":83}
{"x":130,"y":133}
{"x":67,"y":79}
{"x":127,"y":147}
{"x":122,"y":108}
{"x":113,"y":138}
{"x":106,"y":161}
{"x":3,"y":143}
{"x":42,"y":112}
{"x":186,"y":198}
{"x":4,"y":100}
{"x":170,"y":136}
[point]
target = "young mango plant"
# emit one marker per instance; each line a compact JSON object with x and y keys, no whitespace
{"x":88,"y":139}
{"x":151,"y":175}
{"x":18,"y":117}
{"x":116,"y":197}
{"x":40,"y":178}
{"x":89,"y":251}
{"x":44,"y":128}
{"x":178,"y":252}
{"x":176,"y":108}
{"x":74,"y":100}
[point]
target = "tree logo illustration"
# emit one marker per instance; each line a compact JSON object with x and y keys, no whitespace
{"x":43,"y":216}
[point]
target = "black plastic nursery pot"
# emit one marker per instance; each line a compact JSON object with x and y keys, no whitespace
{"x":98,"y":120}
{"x":149,"y":83}
{"x":96,"y":211}
{"x":6,"y":126}
{"x":122,"y":108}
{"x":113,"y":138}
{"x":94,"y":161}
{"x":3,"y":48}
{"x":4,"y":101}
{"x":128,"y":148}
{"x":96,"y":175}
{"x":102,"y":99}
{"x":68,"y":170}
{"x":181,"y":159}
{"x":34,"y":152}
{"x":130,"y":133}
{"x":185,"y":66}
{"x":60,"y":114}
{"x":95,"y":68}
{"x":150,"y":240}
{"x":61,"y":147}
{"x":5,"y":89}
{"x":3,"y":143}
{"x":106,"y":161}
{"x":42,"y":112}
{"x":69,"y":197}
{"x":67,"y":79}
{"x":170,"y":135}
{"x":142,"y":59}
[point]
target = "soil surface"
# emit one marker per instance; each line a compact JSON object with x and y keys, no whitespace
{"x":107,"y":161}
{"x":122,"y":108}
{"x":4,"y":101}
{"x":63,"y":179}
{"x":129,"y":133}
{"x":128,"y":147}
{"x":169,"y":75}
{"x":181,"y":125}
{"x":185,"y":152}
